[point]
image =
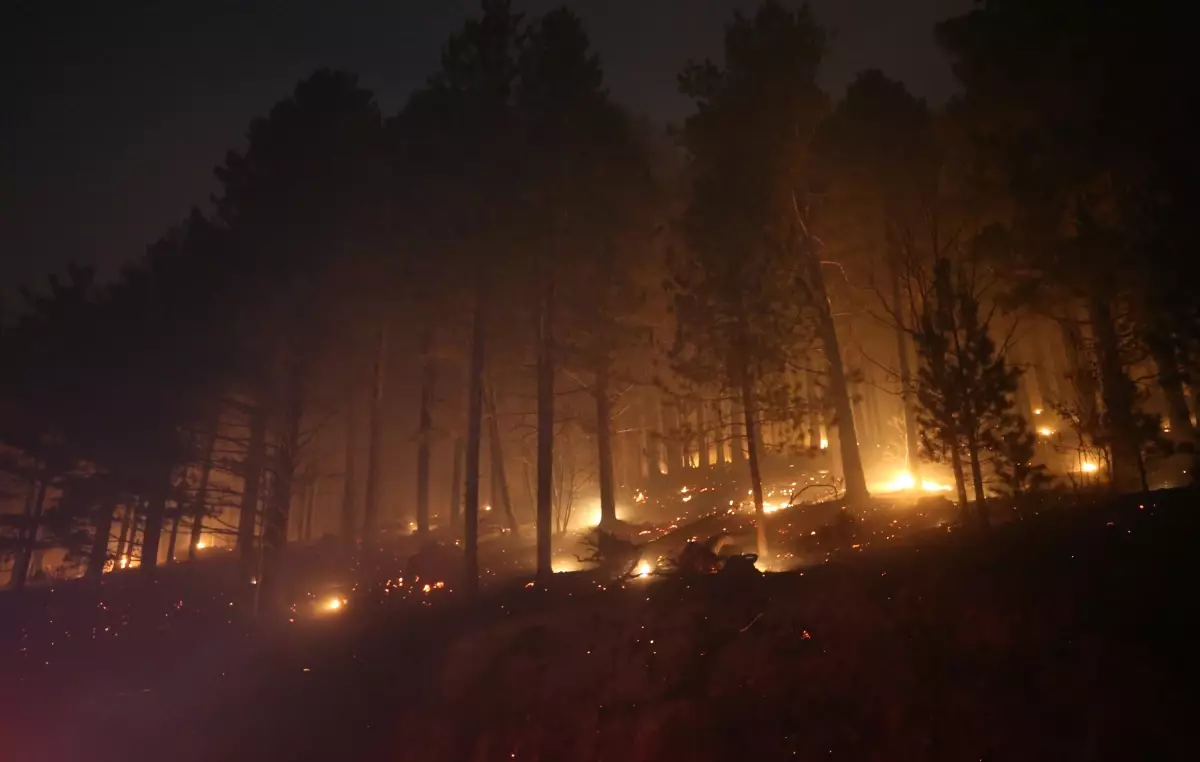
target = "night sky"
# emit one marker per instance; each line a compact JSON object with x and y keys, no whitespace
{"x":112,"y":114}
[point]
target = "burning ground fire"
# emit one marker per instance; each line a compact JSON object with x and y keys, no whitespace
{"x":906,"y":482}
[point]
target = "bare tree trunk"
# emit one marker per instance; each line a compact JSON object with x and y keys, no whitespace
{"x":604,"y":448}
{"x":1081,"y":374}
{"x":103,"y":535}
{"x":912,"y":436}
{"x":981,"y":513}
{"x":173,"y":535}
{"x":701,"y":428}
{"x":375,"y":446}
{"x":545,"y":435}
{"x":200,"y":505}
{"x":721,"y":432}
{"x":1119,"y":393}
{"x":28,"y":536}
{"x":456,"y":485}
{"x":1182,"y":433}
{"x":348,"y":517}
{"x":672,"y":446}
{"x":852,"y":467}
{"x":424,"y":434}
{"x":960,"y":483}
{"x":310,"y":500}
{"x":737,"y":442}
{"x":152,"y":534}
{"x":812,"y":438}
{"x":128,"y":518}
{"x":474,"y":435}
{"x":760,"y":516}
{"x":279,"y":506}
{"x":256,"y":453}
{"x":500,"y":492}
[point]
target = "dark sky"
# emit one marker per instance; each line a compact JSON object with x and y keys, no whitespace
{"x":112,"y":114}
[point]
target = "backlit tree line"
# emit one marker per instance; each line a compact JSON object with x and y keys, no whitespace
{"x":524,"y":252}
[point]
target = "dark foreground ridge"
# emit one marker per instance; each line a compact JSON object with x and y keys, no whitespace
{"x":1064,"y":636}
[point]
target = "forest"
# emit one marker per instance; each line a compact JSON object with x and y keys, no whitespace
{"x":514,"y":331}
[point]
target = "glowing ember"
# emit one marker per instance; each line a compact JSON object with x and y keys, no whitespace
{"x":639,"y":497}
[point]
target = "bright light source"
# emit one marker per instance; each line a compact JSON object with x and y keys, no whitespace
{"x":333,"y":603}
{"x":824,"y":443}
{"x":1037,"y":411}
{"x":201,"y":545}
{"x":905,"y":481}
{"x":644,"y":569}
{"x":1088,"y":467}
{"x":1046,"y":431}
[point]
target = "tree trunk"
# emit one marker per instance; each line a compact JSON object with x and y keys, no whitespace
{"x":760,"y":516}
{"x":545,"y":435}
{"x":279,"y":506}
{"x":424,"y":434}
{"x":1182,"y":433}
{"x":173,"y":535}
{"x":103,"y":534}
{"x":960,"y":483}
{"x":912,"y":436}
{"x":348,"y":517}
{"x":812,"y":437}
{"x":852,"y":467}
{"x":456,"y":485}
{"x":200,"y":505}
{"x":28,"y":535}
{"x":500,"y":491}
{"x":310,"y":500}
{"x":474,"y":435}
{"x":256,"y":453}
{"x":672,"y":444}
{"x":604,"y":448}
{"x":981,"y":514}
{"x":1081,"y":375}
{"x":375,"y":447}
{"x":737,"y":442}
{"x":1119,"y":394}
{"x":720,"y":435}
{"x":702,"y":432}
{"x":128,"y":518}
{"x":152,"y":534}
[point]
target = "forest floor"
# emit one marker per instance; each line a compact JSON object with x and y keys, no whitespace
{"x":1065,"y":635}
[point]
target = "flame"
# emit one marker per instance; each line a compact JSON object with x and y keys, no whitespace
{"x":1046,"y":431}
{"x":644,"y":569}
{"x":905,"y":481}
{"x":333,"y":604}
{"x":824,"y":443}
{"x":1088,"y":467}
{"x":201,"y":545}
